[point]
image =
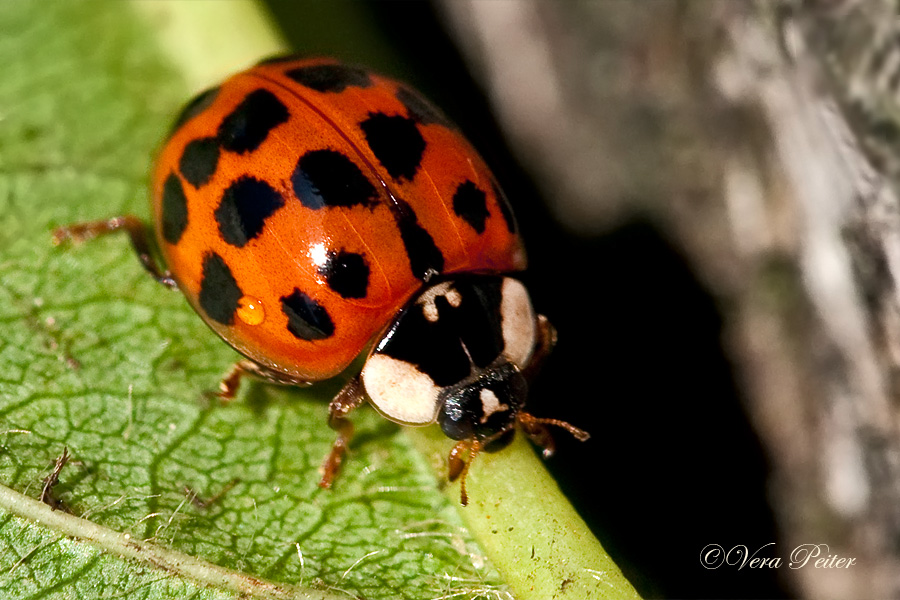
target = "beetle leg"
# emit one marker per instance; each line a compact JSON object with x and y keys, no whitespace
{"x":539,"y":435}
{"x":459,"y":466}
{"x":350,"y":397}
{"x":546,"y":340}
{"x":230,"y":383}
{"x":137,"y":231}
{"x":536,"y":429}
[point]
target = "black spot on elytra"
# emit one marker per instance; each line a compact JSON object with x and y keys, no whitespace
{"x":469,"y":204}
{"x":248,"y":125}
{"x":347,"y":273}
{"x":325,"y":178}
{"x":505,"y":208}
{"x":244,"y":208}
{"x":199,"y":160}
{"x":174,"y":210}
{"x":396,"y":142}
{"x":219,"y":292}
{"x":425,"y":258}
{"x":420,"y":109}
{"x":330,"y":78}
{"x":307,"y":319}
{"x":193,"y":108}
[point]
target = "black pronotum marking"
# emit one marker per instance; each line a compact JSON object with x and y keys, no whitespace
{"x":420,"y":109}
{"x":174,"y":210}
{"x":325,"y":178}
{"x":219,"y":292}
{"x":193,"y":108}
{"x":505,"y":208}
{"x":470,"y":205}
{"x":436,"y":347}
{"x":347,"y":273}
{"x":307,"y":319}
{"x":396,"y":142}
{"x":244,"y":208}
{"x":478,"y":321}
{"x":330,"y":78}
{"x":199,"y":160}
{"x":433,"y":347}
{"x":248,"y":125}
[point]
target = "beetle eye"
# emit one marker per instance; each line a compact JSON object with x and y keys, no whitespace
{"x":454,"y":419}
{"x":484,"y":407}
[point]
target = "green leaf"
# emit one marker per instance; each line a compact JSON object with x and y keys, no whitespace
{"x":165,"y":494}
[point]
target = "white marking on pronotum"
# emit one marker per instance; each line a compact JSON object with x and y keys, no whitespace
{"x":426,"y":299}
{"x":490,"y":404}
{"x":400,"y":391}
{"x":519,"y":331}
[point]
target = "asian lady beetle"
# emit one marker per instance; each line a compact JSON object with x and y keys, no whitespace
{"x":309,"y":210}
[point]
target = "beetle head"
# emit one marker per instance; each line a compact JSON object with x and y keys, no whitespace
{"x":484,"y":407}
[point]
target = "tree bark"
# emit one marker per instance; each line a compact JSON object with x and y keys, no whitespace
{"x":764,"y":138}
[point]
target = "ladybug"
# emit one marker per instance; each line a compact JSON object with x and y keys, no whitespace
{"x":312,"y":211}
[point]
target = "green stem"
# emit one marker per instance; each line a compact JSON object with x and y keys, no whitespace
{"x":528,"y":529}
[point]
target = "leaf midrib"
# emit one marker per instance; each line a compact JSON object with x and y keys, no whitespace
{"x":172,"y":562}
